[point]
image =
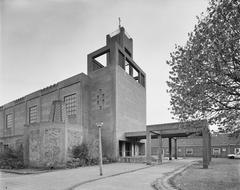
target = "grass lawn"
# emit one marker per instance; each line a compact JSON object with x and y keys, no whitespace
{"x":222,"y":174}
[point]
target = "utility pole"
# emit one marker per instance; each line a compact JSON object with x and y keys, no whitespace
{"x":99,"y":125}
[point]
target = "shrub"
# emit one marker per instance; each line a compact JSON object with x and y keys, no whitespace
{"x":86,"y":155}
{"x":81,"y":156}
{"x":80,"y":151}
{"x":12,"y":159}
{"x":107,"y":160}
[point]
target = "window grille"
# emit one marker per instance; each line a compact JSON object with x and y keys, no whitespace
{"x":9,"y":120}
{"x":33,"y":114}
{"x":70,"y":102}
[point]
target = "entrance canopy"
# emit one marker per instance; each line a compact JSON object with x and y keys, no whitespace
{"x":173,"y":130}
{"x":166,"y":130}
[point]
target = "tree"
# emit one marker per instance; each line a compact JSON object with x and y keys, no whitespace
{"x":204,"y":81}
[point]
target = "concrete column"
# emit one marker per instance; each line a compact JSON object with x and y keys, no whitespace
{"x":123,"y":149}
{"x":159,"y":149}
{"x":205,"y":147}
{"x":175,"y":146}
{"x":170,"y":148}
{"x":137,"y":149}
{"x":148,"y":158}
{"x":132,"y":149}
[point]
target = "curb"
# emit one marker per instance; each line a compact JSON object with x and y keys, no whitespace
{"x":104,"y":177}
{"x":163,"y":183}
{"x":23,"y":172}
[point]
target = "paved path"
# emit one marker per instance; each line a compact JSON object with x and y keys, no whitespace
{"x":116,"y":176}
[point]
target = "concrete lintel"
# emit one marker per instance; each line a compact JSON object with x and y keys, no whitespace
{"x":99,"y":52}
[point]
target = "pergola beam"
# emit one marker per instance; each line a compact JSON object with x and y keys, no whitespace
{"x":155,"y":133}
{"x":171,"y":130}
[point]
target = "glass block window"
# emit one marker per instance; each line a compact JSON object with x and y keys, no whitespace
{"x":71,"y":104}
{"x":9,"y":120}
{"x":189,"y":151}
{"x":100,"y":99}
{"x":33,"y":114}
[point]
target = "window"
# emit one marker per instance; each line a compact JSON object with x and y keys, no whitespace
{"x":33,"y":114}
{"x":5,"y":147}
{"x":237,"y":150}
{"x":224,"y":149}
{"x":70,"y":102}
{"x":100,"y":99}
{"x":216,"y":151}
{"x":189,"y":151}
{"x":9,"y":120}
{"x":1,"y":147}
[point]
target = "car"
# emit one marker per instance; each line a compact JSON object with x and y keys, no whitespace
{"x":232,"y":156}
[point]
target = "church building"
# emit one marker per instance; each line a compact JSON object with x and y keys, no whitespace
{"x":49,"y":122}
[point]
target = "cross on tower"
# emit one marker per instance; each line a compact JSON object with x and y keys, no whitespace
{"x":119,"y":22}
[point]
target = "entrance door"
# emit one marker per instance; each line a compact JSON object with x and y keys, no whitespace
{"x":120,"y":148}
{"x":128,"y":149}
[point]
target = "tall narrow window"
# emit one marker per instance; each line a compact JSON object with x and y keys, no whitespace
{"x":71,"y":104}
{"x":33,"y":114}
{"x":9,"y":120}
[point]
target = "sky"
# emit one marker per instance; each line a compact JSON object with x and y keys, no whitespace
{"x":46,"y":41}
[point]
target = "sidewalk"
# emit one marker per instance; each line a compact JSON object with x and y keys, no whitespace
{"x":115,"y":176}
{"x":141,"y":179}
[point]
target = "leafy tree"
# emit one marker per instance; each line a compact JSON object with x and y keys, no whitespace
{"x":204,"y":81}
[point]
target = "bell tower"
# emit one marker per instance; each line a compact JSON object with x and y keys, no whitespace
{"x":123,"y":42}
{"x":117,"y":91}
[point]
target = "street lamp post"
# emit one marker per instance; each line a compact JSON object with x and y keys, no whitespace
{"x":99,"y":125}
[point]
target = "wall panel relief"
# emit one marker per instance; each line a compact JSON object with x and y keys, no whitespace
{"x":34,"y":145}
{"x":74,"y":138}
{"x":52,"y":145}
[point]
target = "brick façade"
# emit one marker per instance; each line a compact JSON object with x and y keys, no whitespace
{"x":107,"y":93}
